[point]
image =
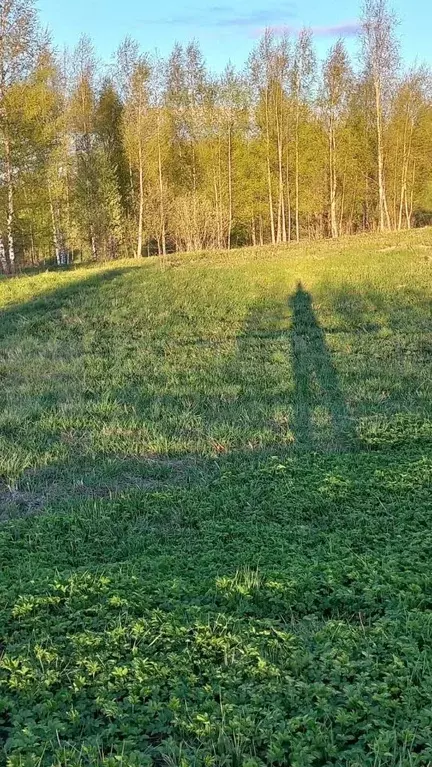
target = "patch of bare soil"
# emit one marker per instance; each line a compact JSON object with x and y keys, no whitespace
{"x":15,"y":503}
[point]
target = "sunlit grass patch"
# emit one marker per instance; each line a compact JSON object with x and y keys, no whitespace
{"x":215,"y":515}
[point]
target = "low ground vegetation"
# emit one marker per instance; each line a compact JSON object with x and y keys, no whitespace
{"x":215,"y":535}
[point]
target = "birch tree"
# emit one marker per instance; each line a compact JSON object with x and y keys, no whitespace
{"x":261,"y":73}
{"x":157,"y":154}
{"x":20,"y":41}
{"x":380,"y":51}
{"x":81,"y":118}
{"x":336,"y":80}
{"x":302,"y":78}
{"x":134,"y":74}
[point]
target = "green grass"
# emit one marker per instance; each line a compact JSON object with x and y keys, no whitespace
{"x":215,"y":506}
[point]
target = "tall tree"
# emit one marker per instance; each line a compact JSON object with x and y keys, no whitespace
{"x":161,"y":155}
{"x":109,"y":114}
{"x":20,"y":41}
{"x":230,"y":106}
{"x":158,"y":148}
{"x":335,"y":93}
{"x":261,"y":65}
{"x":381,"y":59}
{"x":82,"y":111}
{"x":134,"y":73}
{"x":302,"y":79}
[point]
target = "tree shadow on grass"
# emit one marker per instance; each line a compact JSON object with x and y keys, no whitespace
{"x":92,"y":405}
{"x":37,"y":312}
{"x":386,"y":359}
{"x":41,"y":360}
{"x":366,"y":308}
{"x":235,"y":601}
{"x":248,"y":591}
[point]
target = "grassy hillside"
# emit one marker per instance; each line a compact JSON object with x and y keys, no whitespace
{"x":215,"y":507}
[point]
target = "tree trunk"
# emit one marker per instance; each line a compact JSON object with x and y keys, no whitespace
{"x":297,"y":173}
{"x":366,"y":222}
{"x":384,"y":218}
{"x":333,"y":181}
{"x":269,"y":179}
{"x":196,"y":240}
{"x":68,"y":212}
{"x":220,"y":208}
{"x":403,"y":188}
{"x":404,"y":180}
{"x":218,"y":220}
{"x":93,"y":247}
{"x":279,"y":220}
{"x":32,"y":246}
{"x":282,"y":233}
{"x":141,"y":201}
{"x":395,"y":185}
{"x":3,"y":257}
{"x":230,"y":188}
{"x":161,"y":195}
{"x":132,"y":191}
{"x":403,"y":193}
{"x":409,"y":209}
{"x":342,"y":204}
{"x":10,"y":206}
{"x":54,"y":228}
{"x":288,"y":204}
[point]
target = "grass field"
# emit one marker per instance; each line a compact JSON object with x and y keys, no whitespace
{"x":215,"y":505}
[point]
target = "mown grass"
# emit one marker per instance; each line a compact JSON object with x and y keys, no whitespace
{"x":215,"y":502}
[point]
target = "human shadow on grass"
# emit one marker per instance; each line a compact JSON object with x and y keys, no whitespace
{"x":228,"y":590}
{"x":315,"y":375}
{"x":277,"y":387}
{"x":289,"y":386}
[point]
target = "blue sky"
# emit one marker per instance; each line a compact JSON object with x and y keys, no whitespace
{"x":227,"y":29}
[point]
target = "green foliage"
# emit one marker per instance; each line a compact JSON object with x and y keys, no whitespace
{"x":163,"y":156}
{"x":216,"y":539}
{"x":98,"y":203}
{"x":109,"y":129}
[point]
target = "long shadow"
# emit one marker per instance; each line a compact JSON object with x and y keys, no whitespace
{"x":390,"y":335}
{"x":39,"y":310}
{"x":273,"y":384}
{"x":315,"y":377}
{"x":226,"y":591}
{"x":36,"y":335}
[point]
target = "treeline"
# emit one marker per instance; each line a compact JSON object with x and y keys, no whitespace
{"x":155,"y":155}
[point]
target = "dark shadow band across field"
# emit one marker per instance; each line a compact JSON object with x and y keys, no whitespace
{"x":197,"y":590}
{"x":113,"y":404}
{"x":277,"y":597}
